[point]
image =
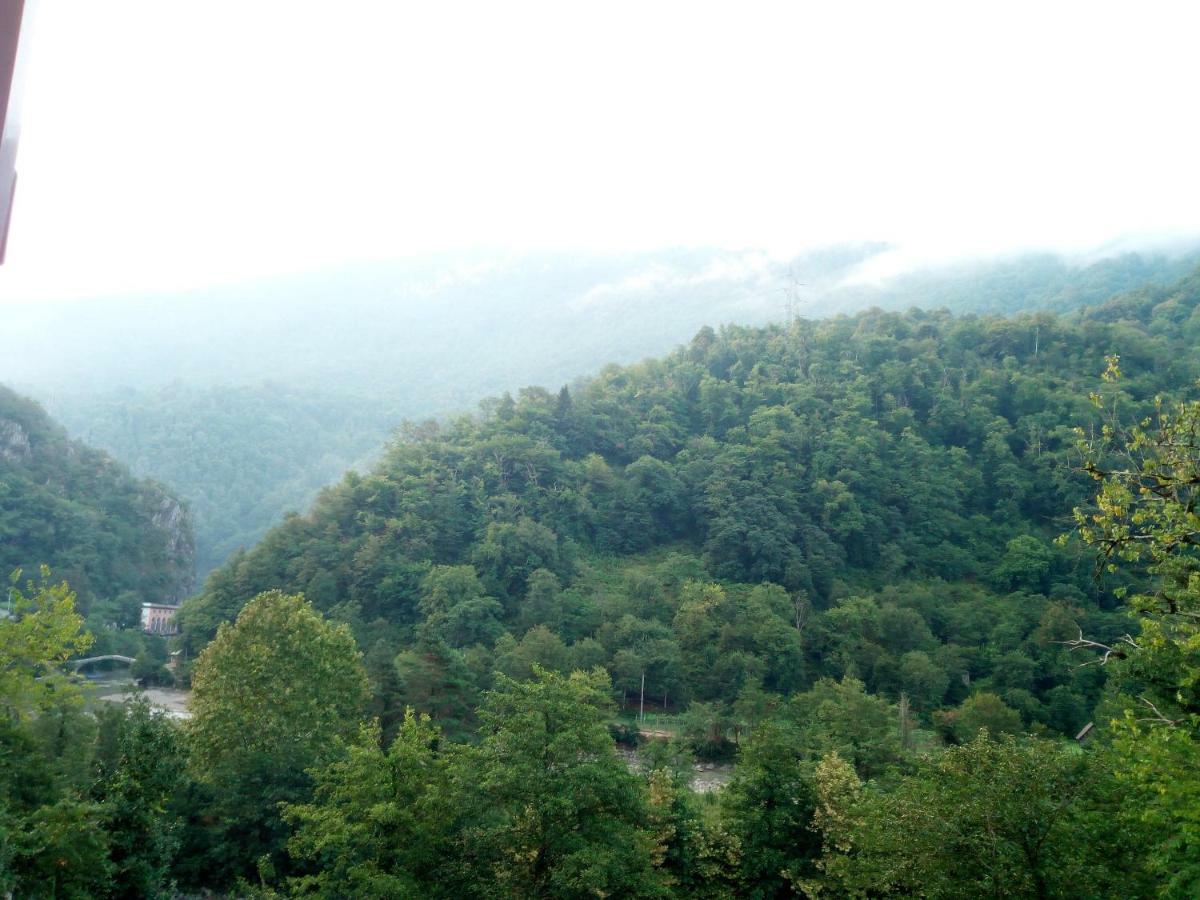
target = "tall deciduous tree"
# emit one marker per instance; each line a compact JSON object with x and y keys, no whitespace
{"x":275,"y":694}
{"x":769,"y":805}
{"x":1147,"y":513}
{"x":143,"y":831}
{"x":43,"y":631}
{"x":52,"y":840}
{"x":551,"y":810}
{"x":378,"y":823}
{"x":1009,"y":818}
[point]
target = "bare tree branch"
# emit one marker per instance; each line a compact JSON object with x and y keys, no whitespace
{"x":1083,"y":643}
{"x":1158,"y":716}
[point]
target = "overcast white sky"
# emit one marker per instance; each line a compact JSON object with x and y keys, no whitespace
{"x":170,"y":143}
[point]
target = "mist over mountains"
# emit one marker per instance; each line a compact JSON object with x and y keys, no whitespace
{"x":246,"y":399}
{"x":439,"y":333}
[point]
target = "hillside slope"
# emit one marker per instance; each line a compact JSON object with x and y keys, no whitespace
{"x":118,"y":540}
{"x":870,"y":495}
{"x":245,"y":401}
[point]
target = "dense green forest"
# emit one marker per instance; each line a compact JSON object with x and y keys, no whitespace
{"x":241,"y":457}
{"x":121,"y":541}
{"x":872,"y":496}
{"x":889,"y":564}
{"x":246,"y":401}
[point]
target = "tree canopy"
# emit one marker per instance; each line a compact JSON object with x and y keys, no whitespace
{"x":277,"y":693}
{"x":515,"y":658}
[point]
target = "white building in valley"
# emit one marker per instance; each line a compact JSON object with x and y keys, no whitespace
{"x":159,"y":618}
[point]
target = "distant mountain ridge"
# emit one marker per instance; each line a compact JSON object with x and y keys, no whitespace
{"x":247,"y":399}
{"x":433,"y":336}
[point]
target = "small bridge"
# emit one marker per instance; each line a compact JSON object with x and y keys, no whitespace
{"x":77,"y":664}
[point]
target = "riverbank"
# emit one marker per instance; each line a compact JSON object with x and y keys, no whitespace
{"x":172,"y":701}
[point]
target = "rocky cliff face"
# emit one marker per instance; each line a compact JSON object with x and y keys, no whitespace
{"x":172,"y":517}
{"x":14,"y":442}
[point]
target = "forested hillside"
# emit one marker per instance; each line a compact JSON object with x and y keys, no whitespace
{"x":247,"y":402}
{"x":827,"y":553}
{"x":685,"y":452}
{"x":871,"y":496}
{"x":241,"y":457}
{"x":120,"y":541}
